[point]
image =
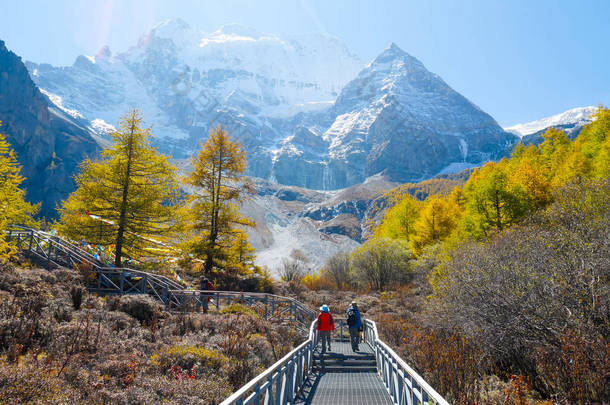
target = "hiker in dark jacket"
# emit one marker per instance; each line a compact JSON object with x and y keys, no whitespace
{"x":205,"y":285}
{"x":354,"y":323}
{"x":326,"y":324}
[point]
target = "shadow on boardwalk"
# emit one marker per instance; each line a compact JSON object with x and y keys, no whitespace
{"x":342,"y":377}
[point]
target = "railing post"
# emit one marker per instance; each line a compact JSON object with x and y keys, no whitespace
{"x":49,"y":255}
{"x":269,"y":391}
{"x":266,"y":305}
{"x":290,"y":376}
{"x":143,"y":282}
{"x":273,"y":306}
{"x":299,"y":373}
{"x":284,"y":393}
{"x":164,"y":294}
{"x":401,"y":383}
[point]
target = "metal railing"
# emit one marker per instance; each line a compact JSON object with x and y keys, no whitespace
{"x":53,"y":251}
{"x":283,"y":381}
{"x":271,"y":305}
{"x":280,"y":383}
{"x":404,"y":385}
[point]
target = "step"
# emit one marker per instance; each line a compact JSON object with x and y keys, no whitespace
{"x":345,"y":360}
{"x":331,"y":355}
{"x":327,"y":365}
{"x":340,"y":369}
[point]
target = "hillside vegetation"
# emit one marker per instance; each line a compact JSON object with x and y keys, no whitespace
{"x":61,"y":345}
{"x":497,"y":291}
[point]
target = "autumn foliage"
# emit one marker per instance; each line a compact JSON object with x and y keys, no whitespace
{"x":514,"y":266}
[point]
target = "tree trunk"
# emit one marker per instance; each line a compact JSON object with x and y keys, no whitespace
{"x":121,"y":230}
{"x":209,"y":263}
{"x":498,"y":213}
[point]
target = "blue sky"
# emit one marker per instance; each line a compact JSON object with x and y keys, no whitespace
{"x":517,"y":60}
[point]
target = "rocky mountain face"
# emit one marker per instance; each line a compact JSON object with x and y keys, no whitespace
{"x":318,"y":223}
{"x":570,"y":121}
{"x":308,"y":111}
{"x":322,"y":223}
{"x":327,"y":136}
{"x":48,"y":143}
{"x":399,"y":119}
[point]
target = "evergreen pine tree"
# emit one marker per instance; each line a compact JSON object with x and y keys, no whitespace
{"x":213,"y":213}
{"x":125,"y":198}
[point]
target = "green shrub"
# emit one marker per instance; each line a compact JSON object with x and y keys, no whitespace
{"x":204,"y":361}
{"x":238,"y":309}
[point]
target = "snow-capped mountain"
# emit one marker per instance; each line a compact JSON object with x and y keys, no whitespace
{"x":399,"y":118}
{"x":308,"y":111}
{"x":185,"y":81}
{"x":570,"y":121}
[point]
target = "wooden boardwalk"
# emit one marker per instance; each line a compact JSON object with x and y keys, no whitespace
{"x":347,"y":378}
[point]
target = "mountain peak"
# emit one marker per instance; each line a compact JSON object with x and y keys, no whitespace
{"x":171,"y":25}
{"x":238,"y":30}
{"x":394,"y":47}
{"x":393,"y":53}
{"x":174,"y":29}
{"x":103,"y":53}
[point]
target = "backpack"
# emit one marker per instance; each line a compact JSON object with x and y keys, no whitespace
{"x":351,"y":318}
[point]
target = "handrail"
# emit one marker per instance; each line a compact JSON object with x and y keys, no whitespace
{"x":403,"y":383}
{"x":283,"y":381}
{"x":184,"y":299}
{"x":82,"y":256}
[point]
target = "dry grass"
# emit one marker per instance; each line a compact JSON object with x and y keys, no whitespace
{"x":60,"y":344}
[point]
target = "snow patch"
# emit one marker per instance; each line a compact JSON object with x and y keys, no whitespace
{"x":576,"y":116}
{"x":102,"y":127}
{"x":457,"y":167}
{"x":57,"y":100}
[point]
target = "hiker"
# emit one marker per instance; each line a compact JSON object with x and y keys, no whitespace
{"x":354,"y":323}
{"x":205,"y":285}
{"x":326,"y":324}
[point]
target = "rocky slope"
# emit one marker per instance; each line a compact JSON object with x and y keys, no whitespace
{"x":399,"y":119}
{"x":308,"y":111}
{"x":319,"y":223}
{"x":322,"y":223}
{"x":48,"y":143}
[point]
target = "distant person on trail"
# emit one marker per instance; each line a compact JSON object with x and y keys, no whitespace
{"x":326,"y":324}
{"x":205,"y":285}
{"x":354,"y":323}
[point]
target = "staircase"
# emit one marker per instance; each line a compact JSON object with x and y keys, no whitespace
{"x":341,"y":359}
{"x":374,"y":375}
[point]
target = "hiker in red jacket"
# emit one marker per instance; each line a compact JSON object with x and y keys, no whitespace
{"x":326,"y":324}
{"x":205,"y":285}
